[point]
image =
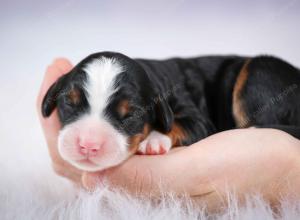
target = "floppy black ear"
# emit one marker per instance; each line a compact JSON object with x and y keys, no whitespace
{"x":164,"y":115}
{"x":50,"y":99}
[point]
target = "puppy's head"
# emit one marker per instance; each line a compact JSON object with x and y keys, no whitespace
{"x":107,"y":105}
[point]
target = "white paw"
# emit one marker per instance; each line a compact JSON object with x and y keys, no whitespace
{"x":155,"y":143}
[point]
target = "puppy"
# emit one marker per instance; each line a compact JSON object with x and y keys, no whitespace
{"x":111,"y":106}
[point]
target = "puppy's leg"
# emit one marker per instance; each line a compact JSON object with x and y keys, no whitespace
{"x":155,"y":143}
{"x":189,"y":126}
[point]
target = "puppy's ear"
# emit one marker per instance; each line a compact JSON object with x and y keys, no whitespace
{"x":164,"y":115}
{"x":50,"y":99}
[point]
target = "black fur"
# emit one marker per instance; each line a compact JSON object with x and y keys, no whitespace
{"x":195,"y":93}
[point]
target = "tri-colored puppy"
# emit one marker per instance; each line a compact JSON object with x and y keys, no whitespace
{"x":111,"y":106}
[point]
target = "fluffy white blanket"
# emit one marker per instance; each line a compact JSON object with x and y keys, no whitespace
{"x":30,"y":190}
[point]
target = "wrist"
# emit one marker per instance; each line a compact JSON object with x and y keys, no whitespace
{"x":296,"y":168}
{"x":289,"y":186}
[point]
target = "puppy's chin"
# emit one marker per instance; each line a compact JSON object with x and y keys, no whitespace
{"x":91,"y":166}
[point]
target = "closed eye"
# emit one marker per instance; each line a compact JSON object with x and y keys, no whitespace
{"x":124,"y":109}
{"x":73,"y":97}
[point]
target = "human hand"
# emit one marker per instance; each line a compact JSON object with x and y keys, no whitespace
{"x":242,"y":160}
{"x":51,"y":125}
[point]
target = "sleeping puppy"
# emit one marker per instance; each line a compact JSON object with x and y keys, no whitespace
{"x":111,"y":106}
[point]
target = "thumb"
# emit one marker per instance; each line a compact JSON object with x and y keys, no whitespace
{"x":90,"y":181}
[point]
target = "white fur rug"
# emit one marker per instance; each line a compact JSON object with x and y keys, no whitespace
{"x":30,"y":190}
{"x":34,"y":192}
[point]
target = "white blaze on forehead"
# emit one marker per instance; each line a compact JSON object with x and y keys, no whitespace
{"x":101,"y":75}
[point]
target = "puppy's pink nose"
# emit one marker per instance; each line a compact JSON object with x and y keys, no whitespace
{"x":89,"y":149}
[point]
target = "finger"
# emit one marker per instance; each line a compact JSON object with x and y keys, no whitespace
{"x":64,"y":169}
{"x":58,"y":68}
{"x":63,"y":64}
{"x":88,"y":181}
{"x":91,"y":181}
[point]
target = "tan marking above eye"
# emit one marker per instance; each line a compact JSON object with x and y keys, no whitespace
{"x":123,"y":108}
{"x":74,"y":96}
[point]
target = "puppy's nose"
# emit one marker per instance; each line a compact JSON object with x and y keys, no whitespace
{"x":89,"y":149}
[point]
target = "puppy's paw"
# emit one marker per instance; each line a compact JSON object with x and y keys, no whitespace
{"x":155,"y":143}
